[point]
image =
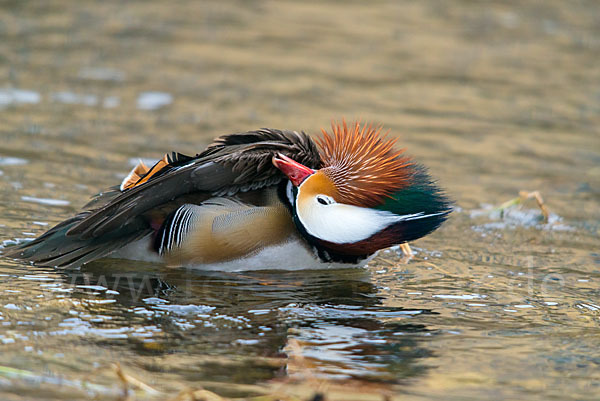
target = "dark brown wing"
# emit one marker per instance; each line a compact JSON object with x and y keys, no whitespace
{"x":54,"y":248}
{"x":233,"y":163}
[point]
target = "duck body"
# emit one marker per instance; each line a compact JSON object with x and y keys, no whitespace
{"x":265,"y":199}
{"x":251,"y":231}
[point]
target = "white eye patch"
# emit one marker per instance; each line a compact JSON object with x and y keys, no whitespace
{"x":340,"y":223}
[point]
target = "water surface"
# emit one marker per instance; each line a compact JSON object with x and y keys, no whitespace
{"x":494,"y":98}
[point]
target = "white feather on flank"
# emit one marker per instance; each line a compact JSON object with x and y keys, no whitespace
{"x":342,"y":224}
{"x":290,"y":255}
{"x":177,"y":228}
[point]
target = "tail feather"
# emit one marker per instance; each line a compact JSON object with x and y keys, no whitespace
{"x":55,"y":248}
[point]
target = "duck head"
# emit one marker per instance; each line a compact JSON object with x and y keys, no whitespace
{"x":366,"y":196}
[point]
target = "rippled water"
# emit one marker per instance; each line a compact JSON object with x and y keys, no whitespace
{"x":494,"y":98}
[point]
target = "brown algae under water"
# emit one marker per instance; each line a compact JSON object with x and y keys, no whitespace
{"x":493,"y":98}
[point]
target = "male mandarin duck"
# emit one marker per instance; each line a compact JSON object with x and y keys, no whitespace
{"x":265,"y":199}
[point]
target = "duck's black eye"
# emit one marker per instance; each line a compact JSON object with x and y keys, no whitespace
{"x":325,"y":200}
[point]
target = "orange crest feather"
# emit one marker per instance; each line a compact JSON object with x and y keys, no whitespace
{"x":363,"y":164}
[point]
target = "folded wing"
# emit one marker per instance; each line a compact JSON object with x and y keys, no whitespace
{"x":233,"y":163}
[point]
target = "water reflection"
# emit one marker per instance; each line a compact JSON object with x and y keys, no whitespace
{"x":135,"y":281}
{"x":336,"y":316}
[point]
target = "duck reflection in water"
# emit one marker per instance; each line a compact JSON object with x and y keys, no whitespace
{"x":334,"y":316}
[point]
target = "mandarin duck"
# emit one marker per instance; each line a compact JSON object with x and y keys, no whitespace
{"x":264,"y":199}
